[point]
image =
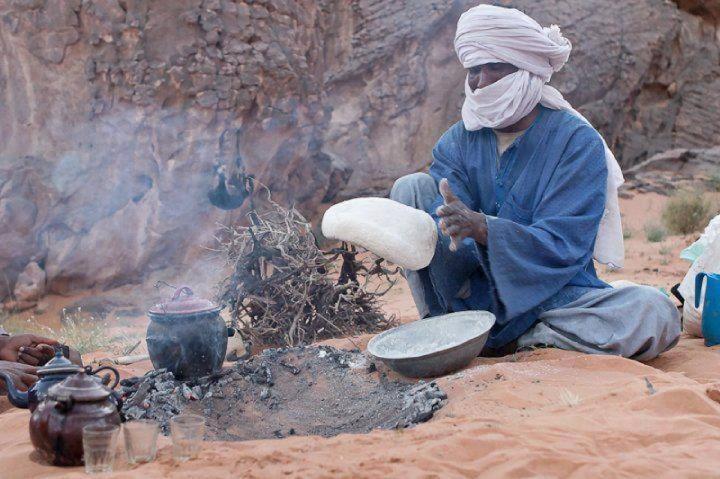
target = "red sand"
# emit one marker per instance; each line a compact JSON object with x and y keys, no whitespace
{"x":546,"y":413}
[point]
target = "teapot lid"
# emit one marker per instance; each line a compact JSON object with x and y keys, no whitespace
{"x":59,"y":365}
{"x":183,"y":302}
{"x":80,"y":387}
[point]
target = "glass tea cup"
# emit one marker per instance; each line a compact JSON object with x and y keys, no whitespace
{"x":99,"y":444}
{"x":188,"y":432}
{"x":140,"y":440}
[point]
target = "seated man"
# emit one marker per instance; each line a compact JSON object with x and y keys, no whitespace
{"x":524,"y":191}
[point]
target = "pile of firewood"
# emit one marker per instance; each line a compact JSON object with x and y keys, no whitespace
{"x":285,"y":291}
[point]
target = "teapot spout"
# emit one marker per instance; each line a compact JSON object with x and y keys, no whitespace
{"x":17,"y":398}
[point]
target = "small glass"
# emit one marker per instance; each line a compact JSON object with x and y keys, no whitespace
{"x":188,"y":431}
{"x":99,"y":444}
{"x":140,"y":440}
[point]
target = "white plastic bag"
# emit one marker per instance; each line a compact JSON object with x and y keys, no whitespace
{"x":712,"y":231}
{"x":707,"y":262}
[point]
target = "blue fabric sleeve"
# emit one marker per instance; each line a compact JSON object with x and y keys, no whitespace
{"x":448,"y":157}
{"x":450,"y":269}
{"x":536,"y":255}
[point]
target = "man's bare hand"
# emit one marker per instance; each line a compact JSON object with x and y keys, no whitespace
{"x":27,"y":348}
{"x":458,"y":221}
{"x":22,"y":375}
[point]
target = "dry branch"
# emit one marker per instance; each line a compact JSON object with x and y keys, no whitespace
{"x":285,"y":291}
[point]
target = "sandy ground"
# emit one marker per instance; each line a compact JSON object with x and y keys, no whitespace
{"x":544,"y":413}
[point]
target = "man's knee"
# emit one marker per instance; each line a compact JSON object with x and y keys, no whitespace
{"x":661,"y":308}
{"x":417,"y":190}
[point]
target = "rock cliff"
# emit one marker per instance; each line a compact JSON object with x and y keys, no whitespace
{"x":127,"y":124}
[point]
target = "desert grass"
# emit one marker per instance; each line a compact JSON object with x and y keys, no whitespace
{"x":80,"y":331}
{"x":686,"y":212}
{"x":626,"y":230}
{"x":654,"y":232}
{"x":714,"y":182}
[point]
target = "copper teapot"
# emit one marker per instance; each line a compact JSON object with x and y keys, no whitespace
{"x":56,"y":425}
{"x":52,"y":373}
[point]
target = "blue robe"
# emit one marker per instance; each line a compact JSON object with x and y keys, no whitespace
{"x":544,"y":198}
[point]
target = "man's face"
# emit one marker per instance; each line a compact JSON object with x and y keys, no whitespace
{"x":484,"y":75}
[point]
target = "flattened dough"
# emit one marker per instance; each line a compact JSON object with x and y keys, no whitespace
{"x":399,"y":233}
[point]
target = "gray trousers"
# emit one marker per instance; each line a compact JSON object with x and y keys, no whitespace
{"x":635,"y":321}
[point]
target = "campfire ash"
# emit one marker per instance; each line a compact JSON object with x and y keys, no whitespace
{"x":295,"y":391}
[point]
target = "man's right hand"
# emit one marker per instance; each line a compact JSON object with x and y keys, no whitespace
{"x":23,"y":376}
{"x":27,"y":348}
{"x":458,"y":221}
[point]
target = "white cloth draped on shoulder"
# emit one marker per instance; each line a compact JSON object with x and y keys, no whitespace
{"x":489,"y":34}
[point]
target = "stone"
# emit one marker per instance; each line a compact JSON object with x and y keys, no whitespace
{"x":30,"y":284}
{"x":113,"y":111}
{"x":713,"y":392}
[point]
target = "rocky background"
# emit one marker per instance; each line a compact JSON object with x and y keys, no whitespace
{"x":126,"y":124}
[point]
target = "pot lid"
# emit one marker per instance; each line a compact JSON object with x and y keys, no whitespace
{"x":182,"y":302}
{"x":59,"y":365}
{"x":81,"y":388}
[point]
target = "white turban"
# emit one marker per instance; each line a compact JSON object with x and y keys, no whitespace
{"x":489,"y":34}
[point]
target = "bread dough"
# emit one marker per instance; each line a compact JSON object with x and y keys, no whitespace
{"x":401,"y":234}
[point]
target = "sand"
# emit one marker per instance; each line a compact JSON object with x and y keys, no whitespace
{"x":544,"y":413}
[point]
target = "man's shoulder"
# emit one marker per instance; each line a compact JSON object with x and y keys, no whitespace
{"x":455,"y":135}
{"x":457,"y":129}
{"x":457,"y":132}
{"x":566,"y":123}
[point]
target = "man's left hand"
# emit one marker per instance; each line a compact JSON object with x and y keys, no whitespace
{"x":458,"y":221}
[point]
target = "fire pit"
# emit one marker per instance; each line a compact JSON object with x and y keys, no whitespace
{"x":304,"y":391}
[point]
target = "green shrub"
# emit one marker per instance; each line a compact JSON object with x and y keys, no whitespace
{"x":715,"y":182}
{"x":655,"y":233}
{"x":686,"y":213}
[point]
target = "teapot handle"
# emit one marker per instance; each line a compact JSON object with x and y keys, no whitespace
{"x":115,"y":372}
{"x":698,"y":287}
{"x":64,"y":403}
{"x":118,"y":400}
{"x":183,"y":289}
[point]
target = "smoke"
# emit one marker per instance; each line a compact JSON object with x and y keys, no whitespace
{"x":131,"y":125}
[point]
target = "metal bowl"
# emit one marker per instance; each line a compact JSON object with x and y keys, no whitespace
{"x":433,"y":346}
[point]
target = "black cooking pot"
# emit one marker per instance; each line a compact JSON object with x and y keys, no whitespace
{"x":187,"y":336}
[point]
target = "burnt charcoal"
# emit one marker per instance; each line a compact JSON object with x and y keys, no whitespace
{"x":290,"y":367}
{"x":164,"y":386}
{"x":142,"y":391}
{"x":134,"y":412}
{"x":265,"y":393}
{"x":303,"y":391}
{"x":421,"y":402}
{"x":130,"y":383}
{"x":190,"y":393}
